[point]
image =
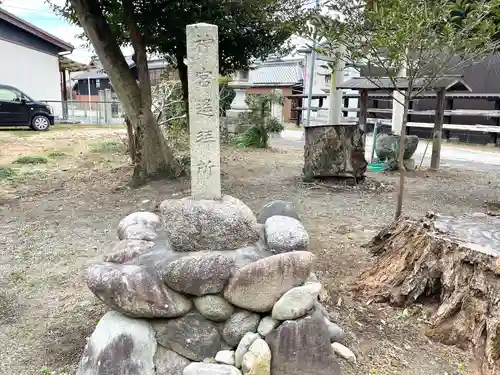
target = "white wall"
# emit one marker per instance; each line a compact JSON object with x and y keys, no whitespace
{"x":33,"y":72}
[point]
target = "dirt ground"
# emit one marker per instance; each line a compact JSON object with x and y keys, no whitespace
{"x":60,"y":216}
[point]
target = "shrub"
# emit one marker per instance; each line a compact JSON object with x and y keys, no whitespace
{"x":57,"y":154}
{"x":109,"y":147}
{"x":6,"y":173}
{"x":31,"y":160}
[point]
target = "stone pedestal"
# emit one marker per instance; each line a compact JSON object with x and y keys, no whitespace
{"x":334,"y":151}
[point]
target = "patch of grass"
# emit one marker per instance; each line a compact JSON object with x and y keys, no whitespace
{"x":7,"y":173}
{"x":31,"y":160}
{"x":109,"y":147}
{"x":57,"y":154}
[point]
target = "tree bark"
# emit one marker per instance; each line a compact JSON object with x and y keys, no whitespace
{"x":402,"y":169}
{"x":183,"y":75}
{"x":334,"y":151}
{"x":152,"y":157}
{"x":451,"y":260}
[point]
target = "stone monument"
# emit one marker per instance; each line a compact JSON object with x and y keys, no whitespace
{"x":203,"y":71}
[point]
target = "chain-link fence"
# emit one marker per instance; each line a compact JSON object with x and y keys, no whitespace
{"x":87,"y":112}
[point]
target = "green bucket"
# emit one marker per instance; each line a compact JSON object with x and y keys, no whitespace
{"x":376,"y":167}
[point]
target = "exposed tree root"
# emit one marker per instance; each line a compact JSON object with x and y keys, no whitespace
{"x":456,"y":260}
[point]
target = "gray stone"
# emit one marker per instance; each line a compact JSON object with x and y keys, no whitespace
{"x":239,"y":324}
{"x":157,"y":260}
{"x":126,"y":250}
{"x":191,"y":336}
{"x":259,"y":285}
{"x":248,"y":254}
{"x":204,"y":128}
{"x":135,"y":292}
{"x":293,"y":304}
{"x":277,"y":207}
{"x":266,"y":325}
{"x":302,"y":347}
{"x":243,"y":347}
{"x":199,"y":274}
{"x":193,"y":225}
{"x":284,"y":234}
{"x":226,"y":357}
{"x":343,"y":352}
{"x":119,"y":345}
{"x":313,"y":288}
{"x":168,"y":362}
{"x":335,"y":332}
{"x":147,"y":220}
{"x":257,"y":360}
{"x":139,"y":232}
{"x":387,"y":147}
{"x":214,"y":307}
{"x":210,"y":369}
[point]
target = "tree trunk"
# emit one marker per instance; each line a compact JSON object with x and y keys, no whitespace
{"x":402,"y":169}
{"x":334,"y":151}
{"x":449,"y":259}
{"x":183,"y":75}
{"x":152,"y":158}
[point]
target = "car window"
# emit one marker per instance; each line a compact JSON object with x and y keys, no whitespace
{"x":9,"y":95}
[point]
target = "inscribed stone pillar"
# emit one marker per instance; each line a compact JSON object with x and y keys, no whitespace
{"x":203,"y":85}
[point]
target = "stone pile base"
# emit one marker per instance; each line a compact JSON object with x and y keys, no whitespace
{"x":206,"y":288}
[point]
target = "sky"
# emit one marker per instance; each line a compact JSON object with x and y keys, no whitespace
{"x":38,"y":13}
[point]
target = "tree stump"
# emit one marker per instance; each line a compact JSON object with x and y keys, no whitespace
{"x":334,"y":151}
{"x":456,"y":260}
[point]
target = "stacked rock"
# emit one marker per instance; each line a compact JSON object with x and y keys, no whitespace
{"x":206,"y":288}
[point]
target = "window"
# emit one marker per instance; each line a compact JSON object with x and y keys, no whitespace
{"x":244,"y":74}
{"x":328,"y":79}
{"x":9,"y":95}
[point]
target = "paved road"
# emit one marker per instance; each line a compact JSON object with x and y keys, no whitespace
{"x":452,"y":156}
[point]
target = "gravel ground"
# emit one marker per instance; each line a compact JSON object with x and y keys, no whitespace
{"x":59,"y":217}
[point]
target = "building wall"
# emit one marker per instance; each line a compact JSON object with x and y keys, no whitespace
{"x":287,"y":106}
{"x":9,"y":32}
{"x":33,"y":72}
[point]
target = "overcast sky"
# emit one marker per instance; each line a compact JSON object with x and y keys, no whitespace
{"x":39,"y":14}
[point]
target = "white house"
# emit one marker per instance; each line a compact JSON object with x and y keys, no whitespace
{"x":29,"y":59}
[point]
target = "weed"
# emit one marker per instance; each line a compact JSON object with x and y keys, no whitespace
{"x":56,"y":154}
{"x":6,"y":173}
{"x":114,"y":147}
{"x":17,"y":276}
{"x":31,"y":160}
{"x":45,"y":370}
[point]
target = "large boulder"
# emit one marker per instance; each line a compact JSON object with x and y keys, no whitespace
{"x":119,"y":345}
{"x":168,"y":362}
{"x":139,"y":226}
{"x":126,"y":250}
{"x":302,"y":347}
{"x":259,"y":285}
{"x":277,"y":207}
{"x":194,"y":225}
{"x":210,"y":369}
{"x":199,"y":274}
{"x":213,"y":307}
{"x":284,"y":234}
{"x":387,"y":147}
{"x":135,"y":292}
{"x":238,"y":325}
{"x":257,"y":360}
{"x":191,"y":336}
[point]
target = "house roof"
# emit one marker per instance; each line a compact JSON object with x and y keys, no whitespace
{"x":98,"y":71}
{"x":32,"y":29}
{"x":282,"y":72}
{"x":451,"y":82}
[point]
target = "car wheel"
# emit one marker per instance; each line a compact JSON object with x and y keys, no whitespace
{"x":40,"y":123}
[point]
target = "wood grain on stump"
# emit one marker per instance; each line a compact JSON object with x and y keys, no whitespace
{"x":456,"y":260}
{"x":334,"y":151}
